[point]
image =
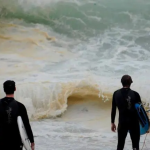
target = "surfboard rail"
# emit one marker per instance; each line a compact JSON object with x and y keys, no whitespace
{"x":23,"y":134}
{"x":143,"y":118}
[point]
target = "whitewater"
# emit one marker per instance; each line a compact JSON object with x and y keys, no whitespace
{"x":67,"y":58}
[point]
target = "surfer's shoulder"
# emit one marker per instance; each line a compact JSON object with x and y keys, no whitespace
{"x":21,"y":106}
{"x":136,"y":93}
{"x":117,"y":91}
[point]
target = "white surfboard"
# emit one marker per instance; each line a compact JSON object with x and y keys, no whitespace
{"x":23,"y":134}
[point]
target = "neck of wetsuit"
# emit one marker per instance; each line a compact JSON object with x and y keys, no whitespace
{"x":126,"y":87}
{"x":10,"y":96}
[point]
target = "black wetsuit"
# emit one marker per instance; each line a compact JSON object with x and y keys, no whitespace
{"x":9,"y":133}
{"x":125,"y":100}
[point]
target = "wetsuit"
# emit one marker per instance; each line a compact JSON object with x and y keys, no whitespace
{"x":125,"y":99}
{"x":9,"y":133}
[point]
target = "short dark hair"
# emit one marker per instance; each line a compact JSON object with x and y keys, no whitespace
{"x":9,"y":87}
{"x":126,"y":80}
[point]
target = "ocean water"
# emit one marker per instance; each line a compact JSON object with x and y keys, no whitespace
{"x":67,"y":58}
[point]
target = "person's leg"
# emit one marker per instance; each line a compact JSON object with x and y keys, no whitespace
{"x":135,"y":135}
{"x":122,"y":133}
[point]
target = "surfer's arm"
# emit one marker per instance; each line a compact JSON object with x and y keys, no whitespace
{"x":113,"y":111}
{"x":25,"y":119}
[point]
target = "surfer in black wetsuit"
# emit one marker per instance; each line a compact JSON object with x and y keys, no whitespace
{"x":9,"y":110}
{"x":125,"y":99}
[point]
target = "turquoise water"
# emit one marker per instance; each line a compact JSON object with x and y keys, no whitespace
{"x":81,"y":19}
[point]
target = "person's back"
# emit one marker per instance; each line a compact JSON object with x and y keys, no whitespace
{"x":8,"y":123}
{"x":10,"y":109}
{"x":125,"y":100}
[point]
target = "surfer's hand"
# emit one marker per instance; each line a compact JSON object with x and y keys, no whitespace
{"x":32,"y":146}
{"x":113,"y":127}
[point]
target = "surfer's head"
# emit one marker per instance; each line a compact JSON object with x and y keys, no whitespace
{"x":126,"y":81}
{"x":9,"y":87}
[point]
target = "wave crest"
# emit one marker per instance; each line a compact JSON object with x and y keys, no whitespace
{"x":45,"y":100}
